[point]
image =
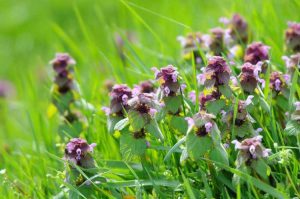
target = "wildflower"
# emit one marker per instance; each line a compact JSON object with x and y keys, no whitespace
{"x":63,"y":66}
{"x":256,"y":52}
{"x":192,"y":96}
{"x":217,"y":72}
{"x":62,"y":62}
{"x":201,"y":123}
{"x":216,"y":43}
{"x":277,"y":82}
{"x":168,"y":79}
{"x":292,"y":63}
{"x":238,"y":29}
{"x":191,"y":44}
{"x":143,"y":87}
{"x":145,"y":104}
{"x":119,"y":95}
{"x":292,"y":37}
{"x":78,"y":152}
{"x":249,"y":77}
{"x":251,"y":149}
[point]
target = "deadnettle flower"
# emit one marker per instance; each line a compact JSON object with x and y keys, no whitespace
{"x":119,"y":95}
{"x":292,"y":37}
{"x":201,"y":123}
{"x":238,"y":29}
{"x":256,"y":52}
{"x":62,"y":65}
{"x":62,"y":62}
{"x":143,"y":87}
{"x":78,"y":151}
{"x":168,"y":79}
{"x":6,"y":89}
{"x":248,"y":78}
{"x":242,"y":113}
{"x":277,"y":81}
{"x":191,"y":44}
{"x":292,"y":62}
{"x":217,"y":72}
{"x":145,"y":104}
{"x":250,"y":149}
{"x":217,"y":41}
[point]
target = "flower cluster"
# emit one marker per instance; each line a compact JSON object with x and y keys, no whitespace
{"x":65,"y":92}
{"x":119,"y":96}
{"x":201,"y":123}
{"x":292,"y":37}
{"x":143,"y":87}
{"x":217,"y":72}
{"x":145,"y":104}
{"x":238,"y":29}
{"x":168,"y":79}
{"x":249,"y":77}
{"x":257,"y":52}
{"x":277,"y":82}
{"x":63,"y":66}
{"x":78,"y":152}
{"x":216,"y":44}
{"x":250,"y":149}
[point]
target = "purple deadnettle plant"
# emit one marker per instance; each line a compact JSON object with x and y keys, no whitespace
{"x":78,"y":152}
{"x":238,"y":29}
{"x":257,"y":52}
{"x":191,"y":45}
{"x":250,"y":149}
{"x":217,"y":72}
{"x":292,"y":37}
{"x":242,"y":123}
{"x":170,"y":88}
{"x":277,"y":82}
{"x":249,"y":77}
{"x":143,"y":87}
{"x":292,"y":63}
{"x":216,"y":44}
{"x":119,"y":96}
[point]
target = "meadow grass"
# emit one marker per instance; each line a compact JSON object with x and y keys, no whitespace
{"x":31,"y":32}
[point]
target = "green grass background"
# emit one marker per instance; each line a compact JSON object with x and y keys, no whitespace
{"x":32,"y":31}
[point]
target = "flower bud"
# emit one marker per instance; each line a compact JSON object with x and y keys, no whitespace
{"x":119,"y":95}
{"x":292,"y":37}
{"x":256,"y":52}
{"x":217,"y":72}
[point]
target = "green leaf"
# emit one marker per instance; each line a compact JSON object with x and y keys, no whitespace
{"x":225,"y":90}
{"x":215,"y":106}
{"x":131,"y":147}
{"x":173,"y":149}
{"x":136,"y":120}
{"x":111,"y":122}
{"x":245,"y":129}
{"x":197,"y":146}
{"x":261,"y":168}
{"x":154,"y":129}
{"x":264,"y":105}
{"x":219,"y":154}
{"x":172,"y":103}
{"x":292,"y":128}
{"x":121,"y":124}
{"x":179,"y":124}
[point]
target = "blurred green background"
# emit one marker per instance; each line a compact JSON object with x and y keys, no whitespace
{"x":31,"y":32}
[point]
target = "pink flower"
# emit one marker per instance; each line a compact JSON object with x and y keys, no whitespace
{"x":251,"y":148}
{"x":292,"y":37}
{"x":256,"y":52}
